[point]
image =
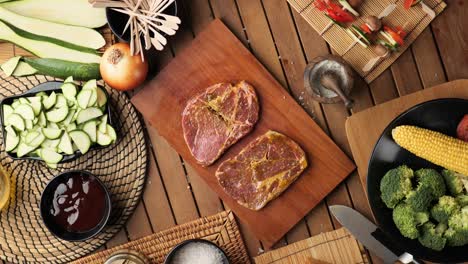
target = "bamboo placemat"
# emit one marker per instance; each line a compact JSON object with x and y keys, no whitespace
{"x":358,"y":56}
{"x":221,"y":229}
{"x":337,"y":246}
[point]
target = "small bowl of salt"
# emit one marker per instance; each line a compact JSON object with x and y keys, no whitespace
{"x":196,"y":251}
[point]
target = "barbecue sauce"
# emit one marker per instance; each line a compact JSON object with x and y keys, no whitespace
{"x":78,"y":204}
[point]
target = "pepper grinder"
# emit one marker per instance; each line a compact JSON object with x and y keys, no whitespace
{"x":329,"y":79}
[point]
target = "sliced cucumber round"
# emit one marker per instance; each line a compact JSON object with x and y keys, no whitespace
{"x":90,"y":128}
{"x":25,"y":111}
{"x":50,"y":101}
{"x":57,"y":115}
{"x":50,"y":156}
{"x":65,"y":144}
{"x":12,"y":139}
{"x":103,"y":139}
{"x":52,"y":133}
{"x":17,"y":122}
{"x":83,"y":98}
{"x":69,"y":91}
{"x":81,"y":140}
{"x":88,"y":114}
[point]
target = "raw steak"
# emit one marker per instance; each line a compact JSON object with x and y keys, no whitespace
{"x":216,"y":119}
{"x":262,"y":170}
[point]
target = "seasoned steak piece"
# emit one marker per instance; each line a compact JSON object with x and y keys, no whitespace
{"x":262,"y":170}
{"x":216,"y":119}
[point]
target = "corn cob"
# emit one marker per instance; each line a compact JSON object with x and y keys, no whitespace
{"x":440,"y":149}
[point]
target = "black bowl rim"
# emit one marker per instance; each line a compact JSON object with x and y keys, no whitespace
{"x":384,"y":132}
{"x":177,"y":247}
{"x":120,"y":35}
{"x":104,"y":219}
{"x":50,"y":86}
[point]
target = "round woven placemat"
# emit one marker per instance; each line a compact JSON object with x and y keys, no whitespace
{"x":122,"y":167}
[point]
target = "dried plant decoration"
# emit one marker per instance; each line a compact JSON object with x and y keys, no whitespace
{"x":147,"y":22}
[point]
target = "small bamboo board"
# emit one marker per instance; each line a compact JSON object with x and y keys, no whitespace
{"x":337,"y":246}
{"x":221,"y":229}
{"x":414,"y":21}
{"x":363,"y":129}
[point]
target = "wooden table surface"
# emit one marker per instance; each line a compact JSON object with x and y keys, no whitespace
{"x":284,"y":43}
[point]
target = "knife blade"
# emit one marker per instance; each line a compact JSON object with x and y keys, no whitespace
{"x":361,"y":228}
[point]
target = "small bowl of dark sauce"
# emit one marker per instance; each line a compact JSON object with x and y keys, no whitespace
{"x":75,"y":205}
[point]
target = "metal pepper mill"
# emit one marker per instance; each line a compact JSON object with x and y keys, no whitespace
{"x":329,"y":79}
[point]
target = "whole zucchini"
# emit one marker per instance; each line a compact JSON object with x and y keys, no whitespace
{"x":62,"y":69}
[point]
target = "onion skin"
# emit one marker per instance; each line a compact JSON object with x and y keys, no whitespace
{"x":122,"y":71}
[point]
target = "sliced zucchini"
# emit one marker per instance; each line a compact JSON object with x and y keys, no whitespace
{"x":57,"y":115}
{"x":88,"y":114}
{"x":50,"y":101}
{"x":61,"y":101}
{"x":15,"y":103}
{"x":90,"y":128}
{"x":36,"y":104}
{"x":111,"y":133}
{"x":71,"y":12}
{"x":51,"y":143}
{"x":50,"y":156}
{"x":52,"y":133}
{"x":42,"y":121}
{"x":101,"y":97}
{"x":65,"y":144}
{"x":25,"y":111}
{"x":69,"y":79}
{"x":348,"y":7}
{"x":79,"y":36}
{"x":81,"y":139}
{"x":12,"y":139}
{"x":42,"y":94}
{"x":24,"y":149}
{"x":91,"y":84}
{"x":24,"y":69}
{"x":69,"y":91}
{"x":103,"y":139}
{"x":103,"y":124}
{"x":17,"y":122}
{"x":10,"y":65}
{"x":93,"y":98}
{"x":71,"y":127}
{"x":7,"y":111}
{"x":83,"y":98}
{"x":31,"y":136}
{"x":36,"y":141}
{"x":52,"y":165}
{"x":29,"y":124}
{"x":69,"y":119}
{"x":43,"y":48}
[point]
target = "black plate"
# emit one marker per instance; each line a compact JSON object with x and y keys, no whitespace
{"x":48,"y":88}
{"x":440,"y":115}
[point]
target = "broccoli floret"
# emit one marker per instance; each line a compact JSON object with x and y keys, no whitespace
{"x":395,"y":185}
{"x":462,"y":200}
{"x":420,"y":199}
{"x":446,"y":207}
{"x":430,"y":238}
{"x":441,"y":228}
{"x":407,"y":220}
{"x":456,"y":238}
{"x":432,"y":179}
{"x":453,"y":181}
{"x":459,"y":221}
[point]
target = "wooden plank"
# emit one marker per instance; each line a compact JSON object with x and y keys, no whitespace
{"x":452,"y":37}
{"x":222,"y":47}
{"x":224,"y":11}
{"x":427,"y":60}
{"x":261,"y":41}
{"x":406,"y":74}
{"x":119,"y":239}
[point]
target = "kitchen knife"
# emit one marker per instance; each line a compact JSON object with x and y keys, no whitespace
{"x":362,"y":229}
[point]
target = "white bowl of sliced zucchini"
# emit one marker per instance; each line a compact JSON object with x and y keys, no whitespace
{"x":56,"y":122}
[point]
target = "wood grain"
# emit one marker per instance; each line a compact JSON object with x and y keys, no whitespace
{"x":363,"y":129}
{"x":217,"y":56}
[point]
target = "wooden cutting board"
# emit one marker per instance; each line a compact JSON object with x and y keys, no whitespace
{"x":363,"y":129}
{"x":216,"y":55}
{"x":337,"y":246}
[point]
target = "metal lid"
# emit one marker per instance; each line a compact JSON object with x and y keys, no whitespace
{"x":128,"y":257}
